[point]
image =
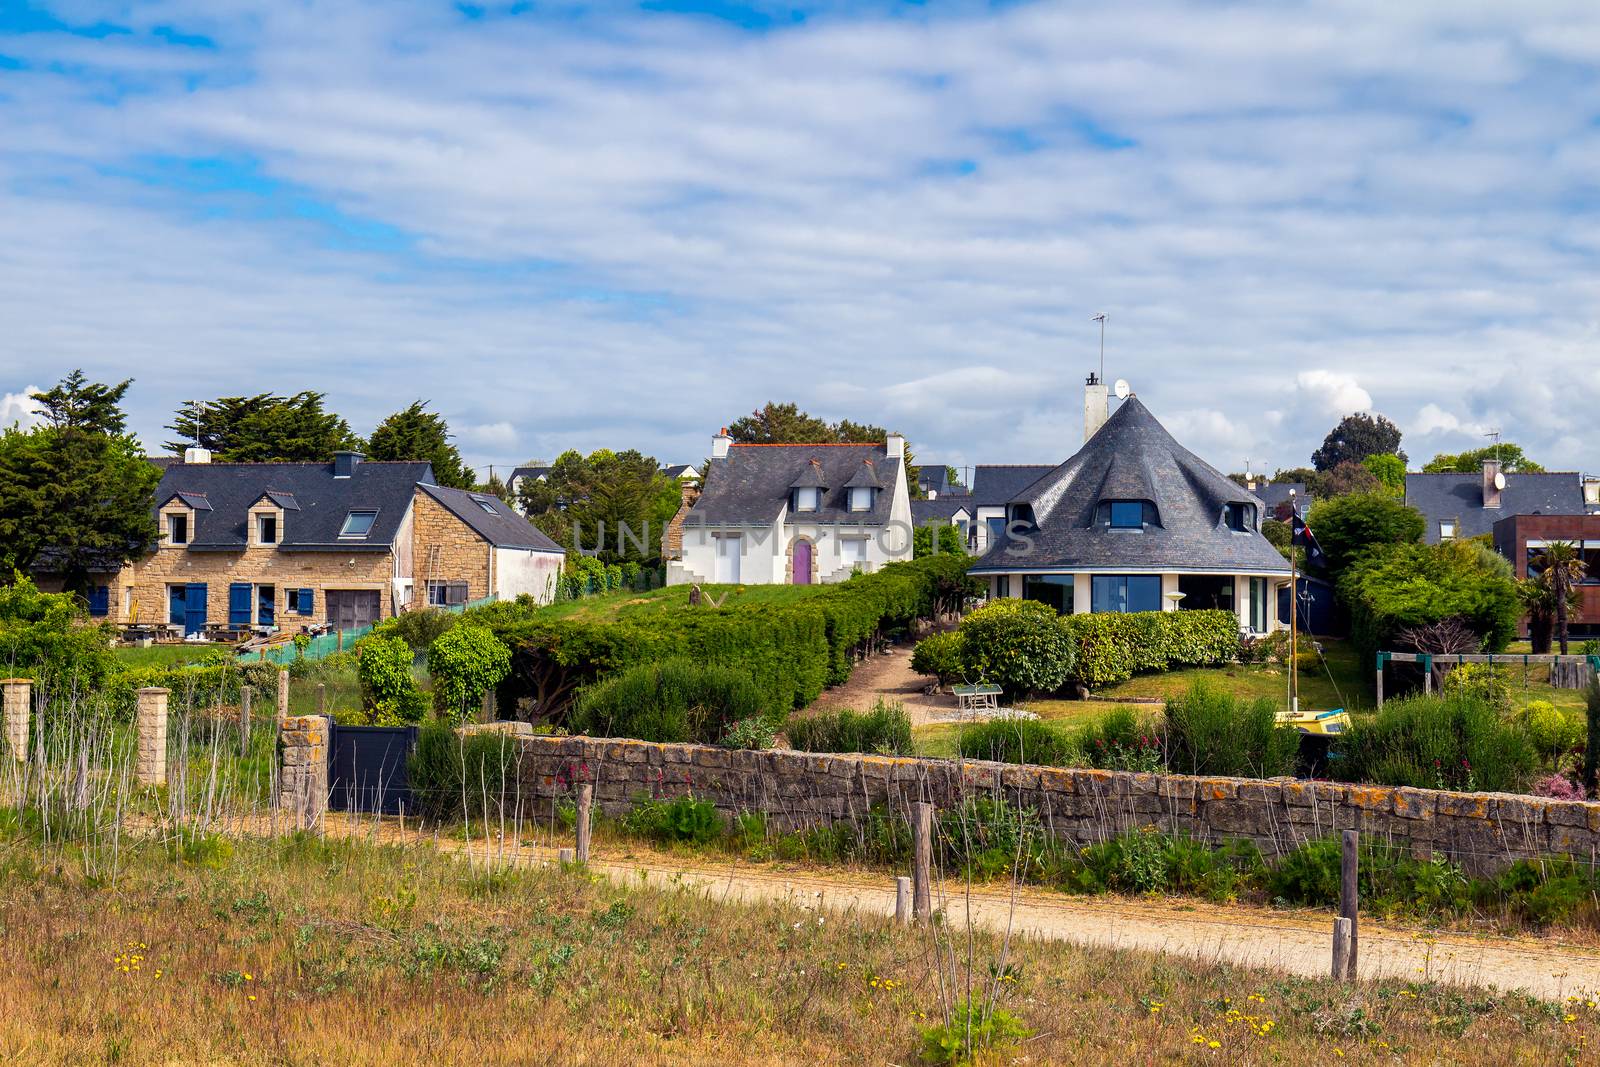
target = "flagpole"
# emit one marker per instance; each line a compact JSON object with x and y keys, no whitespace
{"x":1294,"y":610}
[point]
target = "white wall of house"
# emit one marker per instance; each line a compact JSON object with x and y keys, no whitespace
{"x":525,"y":570}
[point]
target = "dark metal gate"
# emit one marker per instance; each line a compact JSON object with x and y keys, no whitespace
{"x":367,"y":768}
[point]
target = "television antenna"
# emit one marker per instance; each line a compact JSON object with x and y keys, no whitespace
{"x":1494,"y":435}
{"x":1101,"y":319}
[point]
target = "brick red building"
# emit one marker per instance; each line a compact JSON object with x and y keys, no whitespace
{"x":1521,"y":538}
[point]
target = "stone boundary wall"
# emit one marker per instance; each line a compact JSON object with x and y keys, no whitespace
{"x":1483,"y":832}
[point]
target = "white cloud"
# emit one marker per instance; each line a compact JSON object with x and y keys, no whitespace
{"x":626,"y":230}
{"x":20,"y":409}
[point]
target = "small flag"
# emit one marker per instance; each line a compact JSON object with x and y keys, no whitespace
{"x":1303,"y":536}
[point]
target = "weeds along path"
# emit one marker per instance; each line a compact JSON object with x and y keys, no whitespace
{"x":1298,"y":943}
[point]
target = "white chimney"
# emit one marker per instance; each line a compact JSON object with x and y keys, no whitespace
{"x":196,"y":454}
{"x":896,"y":446}
{"x":1591,"y":490}
{"x":720,"y":443}
{"x":1096,"y":406}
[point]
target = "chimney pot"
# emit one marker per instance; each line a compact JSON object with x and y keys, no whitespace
{"x":720,"y":443}
{"x":196,"y":454}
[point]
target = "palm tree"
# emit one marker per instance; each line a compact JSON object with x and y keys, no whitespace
{"x":1561,"y":570}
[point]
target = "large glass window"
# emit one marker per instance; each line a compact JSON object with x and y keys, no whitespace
{"x":1258,"y":605}
{"x":1052,"y":589}
{"x":997,"y":530}
{"x":1127,"y":515}
{"x":1125,"y":592}
{"x":1591,"y":561}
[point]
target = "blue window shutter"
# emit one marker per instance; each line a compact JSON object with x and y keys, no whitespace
{"x":307,"y":602}
{"x":239,"y":604}
{"x":99,"y":600}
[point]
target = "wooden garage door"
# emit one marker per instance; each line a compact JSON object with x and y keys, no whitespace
{"x":350,"y":608}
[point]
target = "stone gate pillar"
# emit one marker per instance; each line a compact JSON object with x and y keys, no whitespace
{"x":303,"y":770}
{"x":150,"y":764}
{"x":16,"y":699}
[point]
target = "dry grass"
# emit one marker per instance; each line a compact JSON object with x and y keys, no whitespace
{"x":306,"y":952}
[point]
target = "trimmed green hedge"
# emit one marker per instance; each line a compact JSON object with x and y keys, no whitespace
{"x":204,"y":685}
{"x":791,"y":651}
{"x":1114,"y":647}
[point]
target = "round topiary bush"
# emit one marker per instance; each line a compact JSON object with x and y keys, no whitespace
{"x":1019,"y":645}
{"x":938,"y":655}
{"x":466,"y":662}
{"x":389,"y":695}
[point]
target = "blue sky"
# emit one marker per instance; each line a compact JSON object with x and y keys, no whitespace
{"x":585,"y":225}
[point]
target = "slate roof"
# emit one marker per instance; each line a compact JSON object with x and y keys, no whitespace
{"x":1133,"y":457}
{"x":1273,"y":494}
{"x":997,"y":483}
{"x":750,"y":485}
{"x":527,"y":472}
{"x":935,"y":477}
{"x":503,"y":529}
{"x":942,"y":509}
{"x":677,"y":470}
{"x":324,"y":501}
{"x":1458,"y":498}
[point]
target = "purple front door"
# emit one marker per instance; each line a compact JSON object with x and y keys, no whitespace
{"x":802,"y":563}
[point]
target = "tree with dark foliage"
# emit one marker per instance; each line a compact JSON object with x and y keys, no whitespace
{"x":416,"y":434}
{"x":1355,"y":438}
{"x":264,"y":429}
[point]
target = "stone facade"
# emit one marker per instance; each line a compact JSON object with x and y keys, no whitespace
{"x":303,"y":780}
{"x":1483,"y":832}
{"x":447,"y":550}
{"x":150,"y":725}
{"x":16,"y":695}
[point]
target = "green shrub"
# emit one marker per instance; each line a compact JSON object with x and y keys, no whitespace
{"x":453,"y":774}
{"x":466,"y":662}
{"x":1123,"y":740}
{"x":675,"y":700}
{"x":389,"y":695}
{"x":1436,"y":742}
{"x":1552,"y":732}
{"x":204,"y":685}
{"x":990,"y":838}
{"x":1148,"y":861}
{"x":1111,"y":647}
{"x":972,"y":1030}
{"x":1390,"y":880}
{"x":1479,"y":681}
{"x":938,"y":655}
{"x":1019,"y":740}
{"x":682,"y":820}
{"x":48,"y":637}
{"x":1398,"y":586}
{"x":419,"y":629}
{"x":1211,"y":732}
{"x":1018,"y":645}
{"x":754,"y":732}
{"x":885,"y":729}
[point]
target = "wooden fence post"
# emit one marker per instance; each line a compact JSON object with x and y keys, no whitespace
{"x":1341,"y":949}
{"x":902,"y":900}
{"x":564,"y":857}
{"x":922,"y":859}
{"x":245,"y":695}
{"x":585,"y":813}
{"x":1349,"y":895}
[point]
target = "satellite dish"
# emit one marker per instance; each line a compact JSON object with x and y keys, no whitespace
{"x":1122,"y":389}
{"x":1499,"y":480}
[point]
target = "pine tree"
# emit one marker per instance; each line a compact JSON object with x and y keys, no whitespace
{"x":264,"y":429}
{"x":417,"y":434}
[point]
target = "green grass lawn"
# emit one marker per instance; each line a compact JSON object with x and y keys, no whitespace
{"x":173,"y":655}
{"x":627,"y":604}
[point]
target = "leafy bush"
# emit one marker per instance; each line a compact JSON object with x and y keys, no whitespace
{"x":466,"y":662}
{"x":1396,"y":587}
{"x":1479,"y":681}
{"x":202,"y":685}
{"x":1552,"y":732}
{"x":1148,"y":861}
{"x":972,"y":1030}
{"x":1111,"y":647}
{"x":389,"y":695}
{"x":1437,"y":742}
{"x":682,"y":820}
{"x":885,"y":729}
{"x":48,"y":637}
{"x":1018,"y":645}
{"x":419,"y":629}
{"x":1211,"y":732}
{"x":991,"y":838}
{"x":791,"y":650}
{"x":1018,"y":740}
{"x":753,"y":732}
{"x":1390,"y":880}
{"x":455,"y":774}
{"x":676,"y":700}
{"x":938,"y":655}
{"x":1352,"y":526}
{"x":1123,"y":740}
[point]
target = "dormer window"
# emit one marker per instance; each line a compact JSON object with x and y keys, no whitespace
{"x":358,"y":524}
{"x":807,"y":498}
{"x":266,"y":529}
{"x":1240,"y":517}
{"x":1127,"y":515}
{"x":177,"y":529}
{"x":861,"y":498}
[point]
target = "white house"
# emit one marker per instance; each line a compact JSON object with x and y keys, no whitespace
{"x":795,"y":513}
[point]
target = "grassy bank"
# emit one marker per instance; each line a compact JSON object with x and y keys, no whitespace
{"x":303,"y":952}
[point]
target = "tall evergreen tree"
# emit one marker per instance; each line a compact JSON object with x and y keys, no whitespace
{"x":1355,"y":438}
{"x":263,"y":429}
{"x":414,"y":434}
{"x":75,"y":492}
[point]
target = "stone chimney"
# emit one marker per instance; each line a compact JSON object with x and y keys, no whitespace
{"x":1493,"y":483}
{"x":196,"y":454}
{"x":1096,"y":405}
{"x":720,"y":443}
{"x":896,"y":446}
{"x":345,"y":463}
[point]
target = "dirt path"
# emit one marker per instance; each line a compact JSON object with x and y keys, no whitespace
{"x":887,"y":676}
{"x":1298,"y":943}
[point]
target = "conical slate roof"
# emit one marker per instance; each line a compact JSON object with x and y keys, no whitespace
{"x":1133,"y":457}
{"x":865,"y":477}
{"x":810,"y":477}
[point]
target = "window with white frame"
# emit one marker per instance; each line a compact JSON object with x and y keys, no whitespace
{"x":266,"y":529}
{"x":861,"y":498}
{"x":853,"y":550}
{"x":807,"y":499}
{"x":1447,"y":531}
{"x":177,"y":529}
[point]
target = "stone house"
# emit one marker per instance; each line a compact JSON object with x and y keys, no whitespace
{"x":254,"y":547}
{"x":793,"y":514}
